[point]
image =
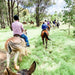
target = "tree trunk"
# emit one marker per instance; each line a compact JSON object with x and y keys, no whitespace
{"x":17,"y":7}
{"x":9,"y":11}
{"x":37,"y":16}
{"x":7,"y":17}
{"x":69,"y":30}
{"x":2,"y":22}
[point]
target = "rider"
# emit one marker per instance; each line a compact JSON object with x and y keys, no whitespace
{"x":45,"y":22}
{"x":44,"y":26}
{"x":17,"y":28}
{"x":58,"y":23}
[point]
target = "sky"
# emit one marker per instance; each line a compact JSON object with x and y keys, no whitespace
{"x":59,"y":6}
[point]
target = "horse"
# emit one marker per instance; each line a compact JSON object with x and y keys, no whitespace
{"x":48,"y":27}
{"x":22,"y":72}
{"x":24,"y":22}
{"x":44,"y":35}
{"x":31,"y":22}
{"x":58,"y":24}
{"x":17,"y":45}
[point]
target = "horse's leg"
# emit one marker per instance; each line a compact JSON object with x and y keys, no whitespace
{"x":8,"y":59}
{"x":20,"y":57}
{"x":15,"y":60}
{"x":46,"y":42}
{"x":43,"y":40}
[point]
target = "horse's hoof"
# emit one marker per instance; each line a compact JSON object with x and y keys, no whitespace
{"x":16,"y":67}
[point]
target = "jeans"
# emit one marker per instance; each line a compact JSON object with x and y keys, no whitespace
{"x":25,"y":38}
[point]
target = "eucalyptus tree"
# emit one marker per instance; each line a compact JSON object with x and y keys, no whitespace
{"x":69,"y":15}
{"x":40,"y":5}
{"x":2,"y":13}
{"x":12,"y":6}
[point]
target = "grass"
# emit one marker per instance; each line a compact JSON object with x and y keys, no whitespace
{"x":57,"y":59}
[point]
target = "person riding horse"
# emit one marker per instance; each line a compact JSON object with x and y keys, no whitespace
{"x":49,"y":26}
{"x":17,"y":28}
{"x":45,"y":22}
{"x":44,"y":33}
{"x":16,"y":44}
{"x":58,"y":23}
{"x":44,"y":26}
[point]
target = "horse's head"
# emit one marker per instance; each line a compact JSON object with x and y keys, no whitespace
{"x":25,"y":32}
{"x":22,"y":72}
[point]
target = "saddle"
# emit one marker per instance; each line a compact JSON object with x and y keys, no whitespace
{"x":17,"y":35}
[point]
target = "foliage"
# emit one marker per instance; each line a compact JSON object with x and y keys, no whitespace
{"x":3,"y":13}
{"x":74,"y":33}
{"x":53,"y":18}
{"x":24,"y":13}
{"x":69,"y":15}
{"x":40,"y":6}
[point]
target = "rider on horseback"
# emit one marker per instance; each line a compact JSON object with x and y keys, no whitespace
{"x":44,"y":26}
{"x":17,"y":28}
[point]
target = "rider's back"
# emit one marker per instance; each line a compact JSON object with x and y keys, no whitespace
{"x":17,"y":28}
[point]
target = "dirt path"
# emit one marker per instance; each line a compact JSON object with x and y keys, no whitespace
{"x":2,"y":55}
{"x":2,"y":61}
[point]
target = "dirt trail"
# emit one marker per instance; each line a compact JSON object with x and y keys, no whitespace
{"x":2,"y":55}
{"x":2,"y":61}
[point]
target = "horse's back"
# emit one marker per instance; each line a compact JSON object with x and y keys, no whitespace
{"x":48,"y":27}
{"x":44,"y":31}
{"x":14,"y":40}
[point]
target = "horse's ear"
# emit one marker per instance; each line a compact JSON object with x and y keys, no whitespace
{"x":32,"y":68}
{"x":7,"y":71}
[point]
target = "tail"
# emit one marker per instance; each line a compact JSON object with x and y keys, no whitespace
{"x":9,"y":47}
{"x":14,"y":46}
{"x":45,"y":35}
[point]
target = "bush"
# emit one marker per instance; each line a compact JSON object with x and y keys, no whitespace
{"x":74,"y":33}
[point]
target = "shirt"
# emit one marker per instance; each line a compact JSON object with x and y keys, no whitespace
{"x":44,"y":26}
{"x":46,"y":23}
{"x":17,"y":28}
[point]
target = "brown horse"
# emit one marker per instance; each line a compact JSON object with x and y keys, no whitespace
{"x":22,"y":72}
{"x":18,"y":46}
{"x":44,"y":35}
{"x":48,"y":27}
{"x":31,"y":22}
{"x":24,"y":22}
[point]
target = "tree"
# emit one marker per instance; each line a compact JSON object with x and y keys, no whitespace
{"x":40,"y":5}
{"x":12,"y":5}
{"x":69,"y":14}
{"x":2,"y":13}
{"x":24,"y":14}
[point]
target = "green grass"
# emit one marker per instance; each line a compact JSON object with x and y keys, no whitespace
{"x":57,"y":59}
